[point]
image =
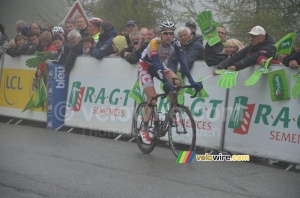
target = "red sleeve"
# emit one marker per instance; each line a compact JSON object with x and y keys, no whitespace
{"x":260,"y":58}
{"x":271,"y":61}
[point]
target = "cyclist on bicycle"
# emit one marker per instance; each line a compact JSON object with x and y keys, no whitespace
{"x":152,"y":65}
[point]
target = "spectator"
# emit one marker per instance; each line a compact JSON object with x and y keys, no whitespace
{"x":94,"y":28}
{"x":281,"y":59}
{"x":12,"y":44}
{"x":152,"y":32}
{"x":214,"y":55}
{"x":25,"y":31}
{"x":292,"y":61}
{"x":130,"y":27}
{"x":18,"y":47}
{"x":144,"y":32}
{"x":81,"y":25}
{"x":104,"y":45}
{"x":48,"y":28}
{"x":193,"y":27}
{"x":88,"y":44}
{"x":62,"y":48}
{"x":3,"y":40}
{"x":45,"y":39}
{"x":35,"y":27}
{"x":232,"y":46}
{"x":74,"y":38}
{"x":19,"y":25}
{"x":133,"y":52}
{"x":192,"y":48}
{"x":34,"y":43}
{"x":119,"y":43}
{"x":69,"y":26}
{"x":59,"y":30}
{"x":261,"y":44}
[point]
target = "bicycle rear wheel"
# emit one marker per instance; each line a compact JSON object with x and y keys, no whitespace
{"x":138,"y":124}
{"x":181,"y":130}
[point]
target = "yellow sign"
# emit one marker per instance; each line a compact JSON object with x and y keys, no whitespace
{"x":16,"y":88}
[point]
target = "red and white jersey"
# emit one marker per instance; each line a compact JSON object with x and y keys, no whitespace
{"x":156,"y":47}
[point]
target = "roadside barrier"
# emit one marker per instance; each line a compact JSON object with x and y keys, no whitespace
{"x":240,"y":120}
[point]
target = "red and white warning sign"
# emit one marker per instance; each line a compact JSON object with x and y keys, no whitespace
{"x":75,"y":10}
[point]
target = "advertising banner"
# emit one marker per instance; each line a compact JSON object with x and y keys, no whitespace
{"x":16,"y":88}
{"x":257,"y":125}
{"x":98,"y":95}
{"x":57,"y":96}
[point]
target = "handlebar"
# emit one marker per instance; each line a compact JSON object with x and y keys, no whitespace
{"x":175,"y":91}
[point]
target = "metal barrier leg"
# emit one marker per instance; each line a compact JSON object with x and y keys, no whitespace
{"x":71,"y":129}
{"x":18,"y":122}
{"x":119,"y":136}
{"x":291,"y":167}
{"x":9,"y":121}
{"x":131,"y":139}
{"x":59,"y":127}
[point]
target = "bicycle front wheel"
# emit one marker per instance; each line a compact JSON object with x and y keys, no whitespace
{"x":181,"y":129}
{"x":138,"y":124}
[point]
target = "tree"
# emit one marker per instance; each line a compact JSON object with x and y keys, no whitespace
{"x":118,"y":12}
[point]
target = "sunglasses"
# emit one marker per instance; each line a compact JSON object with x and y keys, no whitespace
{"x":168,"y":33}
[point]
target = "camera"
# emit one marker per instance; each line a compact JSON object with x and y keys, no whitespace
{"x":135,"y":42}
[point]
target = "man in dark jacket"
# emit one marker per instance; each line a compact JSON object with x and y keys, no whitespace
{"x":133,"y":52}
{"x":261,"y":44}
{"x":35,"y":44}
{"x":292,"y":61}
{"x":3,"y":40}
{"x":214,"y":55}
{"x":192,"y":47}
{"x":104,"y":46}
{"x":76,"y":43}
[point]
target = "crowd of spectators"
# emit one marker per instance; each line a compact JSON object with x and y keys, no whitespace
{"x":98,"y":39}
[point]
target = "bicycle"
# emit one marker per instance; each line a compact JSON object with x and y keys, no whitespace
{"x":178,"y":122}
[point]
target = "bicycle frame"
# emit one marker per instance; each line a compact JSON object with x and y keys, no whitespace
{"x":161,"y":125}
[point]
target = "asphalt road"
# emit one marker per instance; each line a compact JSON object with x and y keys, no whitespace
{"x":36,"y":162}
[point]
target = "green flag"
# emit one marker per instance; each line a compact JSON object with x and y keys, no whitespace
{"x":38,"y":98}
{"x":278,"y":85}
{"x":228,"y":78}
{"x":284,"y":45}
{"x":296,"y":87}
{"x":135,"y":92}
{"x":253,"y":79}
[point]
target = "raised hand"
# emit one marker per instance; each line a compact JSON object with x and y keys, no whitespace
{"x":208,"y":27}
{"x":252,"y":80}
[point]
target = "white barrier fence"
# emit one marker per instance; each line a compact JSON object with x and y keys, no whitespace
{"x":98,"y":99}
{"x":16,"y":89}
{"x":98,"y":95}
{"x":268,"y":129}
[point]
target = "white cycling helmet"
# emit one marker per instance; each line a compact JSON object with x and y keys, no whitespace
{"x":166,"y":25}
{"x":57,"y":29}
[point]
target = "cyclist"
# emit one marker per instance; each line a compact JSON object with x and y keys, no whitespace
{"x":152,"y":65}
